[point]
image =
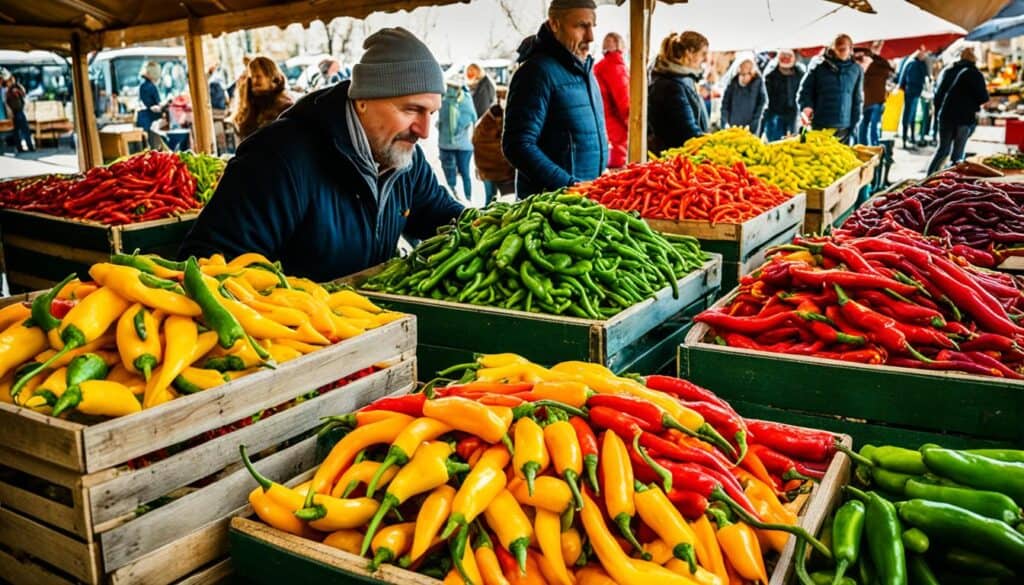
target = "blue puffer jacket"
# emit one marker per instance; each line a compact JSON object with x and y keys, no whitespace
{"x":296,"y":191}
{"x":835,"y":90}
{"x":455,"y":120}
{"x":912,"y":76}
{"x":554,"y":123}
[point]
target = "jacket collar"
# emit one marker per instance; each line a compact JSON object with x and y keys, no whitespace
{"x":547,"y":43}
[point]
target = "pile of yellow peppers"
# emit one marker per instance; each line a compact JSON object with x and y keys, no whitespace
{"x":145,"y":330}
{"x":505,"y":477}
{"x":814,"y":161}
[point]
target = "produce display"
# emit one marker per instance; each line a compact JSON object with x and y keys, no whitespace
{"x":519,"y":473}
{"x":814,"y":161}
{"x":206,"y":169}
{"x":931,"y":515}
{"x":553,"y":253}
{"x":146,"y":186}
{"x":1006,"y":161}
{"x":677,"y":188}
{"x":891,"y":299}
{"x":146,"y":330}
{"x":980,"y":220}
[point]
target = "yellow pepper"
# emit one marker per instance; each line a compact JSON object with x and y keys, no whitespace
{"x":405,"y":445}
{"x":593,"y":575}
{"x":309,"y":287}
{"x":346,"y":540}
{"x":531,"y":456}
{"x":485,"y":481}
{"x":702,"y":576}
{"x":361,"y":472}
{"x":572,"y":546}
{"x":13,"y":313}
{"x":433,"y":512}
{"x":487,"y":562}
{"x":548,"y":528}
{"x":345,"y":450}
{"x":51,"y":388}
{"x":118,"y":373}
{"x":91,"y":347}
{"x":512,"y":527}
{"x":497,"y":360}
{"x":181,"y":336}
{"x":304,"y":348}
{"x":490,"y":423}
{"x":551,"y":493}
{"x":658,"y":512}
{"x":192,"y":380}
{"x":617,"y":476}
{"x":278,"y":516}
{"x":138,"y":340}
{"x":281,"y":353}
{"x":125,"y":281}
{"x":19,"y":343}
{"x":349,"y":298}
{"x":466,"y":571}
{"x":567,"y":455}
{"x":106,"y":398}
{"x":205,"y":342}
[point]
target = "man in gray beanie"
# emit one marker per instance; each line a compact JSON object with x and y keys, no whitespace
{"x":330,"y":186}
{"x":554,"y":122}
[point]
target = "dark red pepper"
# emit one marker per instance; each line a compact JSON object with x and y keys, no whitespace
{"x":683,"y":389}
{"x":725,"y":420}
{"x":879,"y":328}
{"x":410,"y":404}
{"x":588,"y":445}
{"x":777,"y":463}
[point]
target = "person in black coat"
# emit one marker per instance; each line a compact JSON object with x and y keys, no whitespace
{"x":675,"y":109}
{"x":745,"y":98}
{"x":832,"y":92}
{"x":781,"y":82}
{"x":330,"y":186}
{"x":959,"y":96}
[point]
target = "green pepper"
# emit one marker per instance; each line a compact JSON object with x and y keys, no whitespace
{"x":87,"y":366}
{"x":140,"y":263}
{"x":41,"y":316}
{"x":899,"y":459}
{"x":977,"y":471}
{"x":890,"y":481}
{"x":447,"y":266}
{"x":164,"y":263}
{"x":920,"y":572}
{"x":914,"y":540}
{"x":533,"y":282}
{"x":986,"y":503}
{"x":160,"y":283}
{"x":226,"y":363}
{"x":827,"y":578}
{"x":216,"y":317}
{"x":885,"y":545}
{"x":579,"y":247}
{"x":1008,"y":455}
{"x":966,"y":562}
{"x":970,"y":530}
{"x":509,"y":249}
{"x":847,"y":528}
{"x":866,"y":572}
{"x":468,"y":271}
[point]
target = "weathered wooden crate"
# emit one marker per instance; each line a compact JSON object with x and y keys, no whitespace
{"x":873,"y":403}
{"x":871,"y":157}
{"x":826,"y":207}
{"x":742,"y":245}
{"x":264,"y":555}
{"x":40,"y":249}
{"x":69,"y":497}
{"x":452,"y":333}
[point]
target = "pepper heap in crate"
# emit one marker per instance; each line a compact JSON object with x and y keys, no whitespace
{"x":142,"y":187}
{"x":503,"y":474}
{"x":147,"y":330}
{"x":931,"y":515}
{"x":677,"y":189}
{"x":895,"y":299}
{"x":553,"y":253}
{"x":980,"y":220}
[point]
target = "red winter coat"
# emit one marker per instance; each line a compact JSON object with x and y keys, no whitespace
{"x":613,"y":78}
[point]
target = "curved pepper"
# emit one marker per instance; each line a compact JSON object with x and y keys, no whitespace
{"x":346,"y":540}
{"x":215,"y":316}
{"x":551,"y":493}
{"x":361,"y":472}
{"x":531,"y":456}
{"x":433,"y":512}
{"x":485,"y":481}
{"x":487,"y":561}
{"x":181,"y":335}
{"x":345,"y":450}
{"x":566,"y":454}
{"x":512,"y":527}
{"x":490,"y":423}
{"x":405,"y":445}
{"x":658,"y":512}
{"x":126,"y":282}
{"x":18,"y":343}
{"x":193,"y":380}
{"x":138,"y":340}
{"x":617,"y":477}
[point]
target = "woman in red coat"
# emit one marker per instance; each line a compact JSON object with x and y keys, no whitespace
{"x":613,"y":78}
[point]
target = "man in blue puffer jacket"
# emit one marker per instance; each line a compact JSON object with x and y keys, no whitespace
{"x":832,"y":91}
{"x":913,"y":74}
{"x":330,"y":186}
{"x":554,"y":122}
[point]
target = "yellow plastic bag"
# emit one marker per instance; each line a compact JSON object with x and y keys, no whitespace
{"x":893,"y":111}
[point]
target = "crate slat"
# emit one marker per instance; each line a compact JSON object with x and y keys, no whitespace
{"x":45,"y":437}
{"x":25,"y":571}
{"x":78,"y":559}
{"x":173,"y":561}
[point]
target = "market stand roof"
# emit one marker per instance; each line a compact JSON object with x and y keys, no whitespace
{"x":49,"y":24}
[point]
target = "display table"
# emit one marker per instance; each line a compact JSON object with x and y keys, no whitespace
{"x":115,"y":140}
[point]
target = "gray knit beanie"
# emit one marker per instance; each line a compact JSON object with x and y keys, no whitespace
{"x":570,"y":4}
{"x":395,"y":63}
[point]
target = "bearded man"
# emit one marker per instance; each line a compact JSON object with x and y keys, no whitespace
{"x":329,"y":187}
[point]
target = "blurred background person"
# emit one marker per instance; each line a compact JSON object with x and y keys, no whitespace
{"x":675,"y":108}
{"x":482,"y":88}
{"x":745,"y":98}
{"x":455,"y":122}
{"x":782,"y":81}
{"x":913,"y":75}
{"x":876,"y":80}
{"x":262,"y":96}
{"x":492,"y":168}
{"x":832,"y":91}
{"x":613,"y":78}
{"x":959,"y":96}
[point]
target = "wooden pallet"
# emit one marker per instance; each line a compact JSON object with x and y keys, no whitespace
{"x":874,"y":403}
{"x":267,"y":556}
{"x":39,"y":249}
{"x":742,"y":245}
{"x":452,"y":332}
{"x":69,"y":485}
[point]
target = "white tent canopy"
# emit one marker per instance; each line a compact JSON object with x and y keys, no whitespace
{"x":733,"y":25}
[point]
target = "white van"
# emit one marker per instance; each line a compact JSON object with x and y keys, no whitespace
{"x":117,"y":72}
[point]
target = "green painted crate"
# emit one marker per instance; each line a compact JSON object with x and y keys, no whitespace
{"x":40,"y":250}
{"x":873,"y":403}
{"x":451,"y":333}
{"x":742,"y":245}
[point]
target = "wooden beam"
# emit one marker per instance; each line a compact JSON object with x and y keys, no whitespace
{"x":199,"y":90}
{"x":122,"y":37}
{"x":20,"y":37}
{"x":89,"y":153}
{"x":90,"y":9}
{"x":639,"y":42}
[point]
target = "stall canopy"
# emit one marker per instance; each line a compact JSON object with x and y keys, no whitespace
{"x":1007,"y":24}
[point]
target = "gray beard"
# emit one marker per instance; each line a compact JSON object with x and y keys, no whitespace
{"x":393,"y":157}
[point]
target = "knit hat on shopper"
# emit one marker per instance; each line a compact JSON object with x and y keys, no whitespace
{"x":395,"y":63}
{"x":570,"y":4}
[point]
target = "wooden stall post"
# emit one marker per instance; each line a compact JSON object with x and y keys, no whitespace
{"x":640,"y":40}
{"x":199,"y":89}
{"x":89,"y":153}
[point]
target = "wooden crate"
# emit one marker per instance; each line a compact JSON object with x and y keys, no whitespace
{"x":871,"y":156}
{"x":742,"y":245}
{"x":39,"y":249}
{"x":267,"y":556}
{"x":827,"y":207}
{"x":873,"y":403}
{"x":69,"y":486}
{"x":452,"y":332}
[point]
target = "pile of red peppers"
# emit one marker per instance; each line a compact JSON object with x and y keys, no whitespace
{"x":677,"y":189}
{"x":894,"y":299}
{"x":150,"y":185}
{"x":980,"y":220}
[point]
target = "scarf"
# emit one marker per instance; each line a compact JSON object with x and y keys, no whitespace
{"x":665,"y":66}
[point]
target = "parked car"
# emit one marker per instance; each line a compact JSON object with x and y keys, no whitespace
{"x":117,"y":72}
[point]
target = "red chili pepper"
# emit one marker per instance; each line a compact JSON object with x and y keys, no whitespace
{"x":684,"y":389}
{"x":746,"y":325}
{"x":468,"y":445}
{"x":725,"y":420}
{"x":588,"y":445}
{"x":689,"y":503}
{"x":901,"y":310}
{"x":659,"y":447}
{"x":796,"y":442}
{"x":828,"y":278}
{"x":410,"y":404}
{"x":877,"y":327}
{"x":491,"y":387}
{"x":777,"y":463}
{"x":650,"y":417}
{"x":60,"y":307}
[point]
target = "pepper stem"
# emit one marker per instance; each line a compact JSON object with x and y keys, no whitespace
{"x":741,"y":441}
{"x":507,"y":441}
{"x":383,"y":555}
{"x":259,"y":477}
{"x":310,"y":511}
{"x":572,"y":478}
{"x":664,"y":474}
{"x":458,"y":550}
{"x":518,"y":549}
{"x":801,"y":563}
{"x":709,"y":434}
{"x":792,"y":474}
{"x":24,"y":379}
{"x":856,"y":457}
{"x":590,"y":464}
{"x":622,"y":521}
{"x":530,"y":469}
{"x":719,"y":494}
{"x":920,"y":356}
{"x":385,"y":505}
{"x":457,"y":368}
{"x":394,"y":456}
{"x":71,"y":398}
{"x":856,"y":493}
{"x":684,"y":552}
{"x":352,"y":485}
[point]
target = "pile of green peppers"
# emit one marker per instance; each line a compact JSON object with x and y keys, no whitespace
{"x":928,"y":516}
{"x":206,"y":169}
{"x":553,"y":253}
